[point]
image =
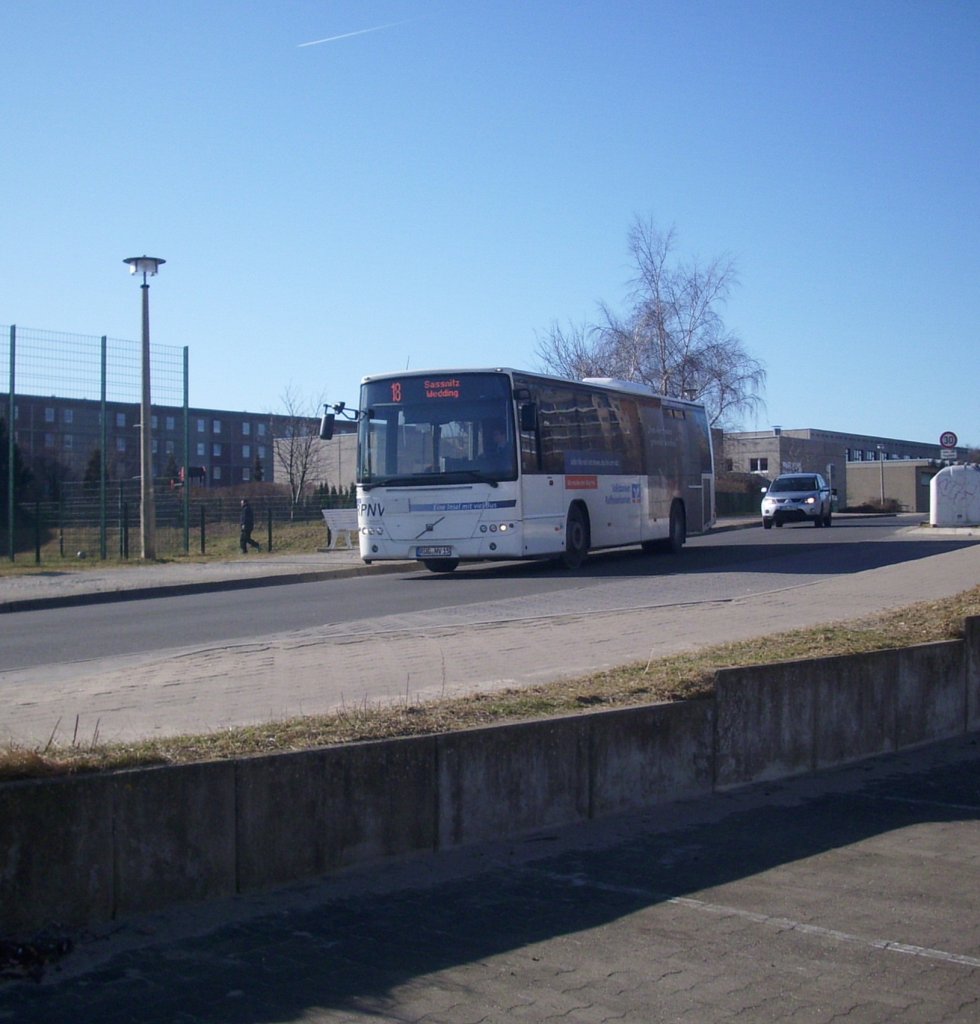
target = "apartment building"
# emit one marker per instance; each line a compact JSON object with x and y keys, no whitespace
{"x":58,"y":436}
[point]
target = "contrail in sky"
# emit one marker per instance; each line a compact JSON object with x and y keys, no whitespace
{"x":347,"y":35}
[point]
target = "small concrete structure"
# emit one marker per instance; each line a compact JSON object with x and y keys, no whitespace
{"x":954,"y":496}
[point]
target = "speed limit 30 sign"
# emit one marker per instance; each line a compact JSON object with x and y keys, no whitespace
{"x":947,"y":439}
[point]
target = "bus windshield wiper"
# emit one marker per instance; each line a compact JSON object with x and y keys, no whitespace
{"x":475,"y":474}
{"x":425,"y":479}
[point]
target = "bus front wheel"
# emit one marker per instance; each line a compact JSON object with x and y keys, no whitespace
{"x":576,"y":538}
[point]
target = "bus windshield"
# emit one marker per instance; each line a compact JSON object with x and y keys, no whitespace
{"x":418,"y":429}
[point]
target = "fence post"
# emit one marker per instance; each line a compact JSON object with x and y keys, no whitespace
{"x":124,"y":535}
{"x":11,"y":507}
{"x":268,"y":513}
{"x":202,"y":528}
{"x":37,"y":533}
{"x":103,"y":458}
{"x":186,"y":489}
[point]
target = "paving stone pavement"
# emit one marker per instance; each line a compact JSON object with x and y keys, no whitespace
{"x":850,"y":895}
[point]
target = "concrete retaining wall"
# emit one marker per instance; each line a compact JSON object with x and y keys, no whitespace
{"x":79,"y":850}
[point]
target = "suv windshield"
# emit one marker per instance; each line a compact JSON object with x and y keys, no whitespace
{"x":788,"y":484}
{"x":437,"y":429}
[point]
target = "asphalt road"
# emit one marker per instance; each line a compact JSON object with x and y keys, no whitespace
{"x":201,"y":662}
{"x":722,"y":566}
{"x":850,"y":895}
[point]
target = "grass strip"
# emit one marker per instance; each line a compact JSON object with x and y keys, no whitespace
{"x":679,"y":677}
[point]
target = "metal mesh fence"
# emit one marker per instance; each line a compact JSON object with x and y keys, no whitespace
{"x":59,"y":448}
{"x":53,"y":532}
{"x":70,"y":365}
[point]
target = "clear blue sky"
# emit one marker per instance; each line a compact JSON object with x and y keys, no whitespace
{"x":434,"y":182}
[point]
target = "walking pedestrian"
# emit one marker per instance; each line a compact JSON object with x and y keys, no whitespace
{"x":247,"y":523}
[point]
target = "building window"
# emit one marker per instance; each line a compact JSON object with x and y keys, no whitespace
{"x":200,"y":426}
{"x":169,"y":448}
{"x":246,"y":475}
{"x":68,"y":442}
{"x":49,"y":440}
{"x":260,"y":451}
{"x":246,"y":451}
{"x":216,"y":426}
{"x":120,"y":444}
{"x":758,"y":465}
{"x":69,"y":415}
{"x":154,"y":446}
{"x":200,"y":449}
{"x":153,"y":423}
{"x":49,"y":415}
{"x":260,"y":430}
{"x":246,"y":429}
{"x":170,"y":423}
{"x":120,"y":419}
{"x":216,"y":449}
{"x":215,"y":472}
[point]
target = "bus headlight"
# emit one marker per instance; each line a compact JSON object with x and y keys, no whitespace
{"x":496,"y":527}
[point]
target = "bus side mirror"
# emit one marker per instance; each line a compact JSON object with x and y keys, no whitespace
{"x":529,"y":417}
{"x":326,"y":426}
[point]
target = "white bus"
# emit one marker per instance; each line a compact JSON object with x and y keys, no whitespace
{"x":467,"y":465}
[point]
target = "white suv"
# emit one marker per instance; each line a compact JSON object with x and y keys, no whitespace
{"x":796,"y":498}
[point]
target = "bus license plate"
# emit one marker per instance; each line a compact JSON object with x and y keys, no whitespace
{"x":433,"y":551}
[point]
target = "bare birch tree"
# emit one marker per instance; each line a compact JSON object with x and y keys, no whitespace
{"x":672,"y":338}
{"x":295,"y":445}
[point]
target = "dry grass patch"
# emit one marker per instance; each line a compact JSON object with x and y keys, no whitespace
{"x":302,"y":537}
{"x":679,"y":677}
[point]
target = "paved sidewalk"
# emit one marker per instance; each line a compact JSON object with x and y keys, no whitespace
{"x":49,"y":587}
{"x":850,"y":895}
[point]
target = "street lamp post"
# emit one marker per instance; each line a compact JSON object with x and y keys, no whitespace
{"x":881,"y":471}
{"x":147,"y":266}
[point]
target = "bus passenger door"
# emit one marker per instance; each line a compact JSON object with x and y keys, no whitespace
{"x":542,"y":499}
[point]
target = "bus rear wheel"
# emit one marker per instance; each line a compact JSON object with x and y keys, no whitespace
{"x":576,"y":538}
{"x":440,"y":564}
{"x":676,"y":536}
{"x":678,"y":529}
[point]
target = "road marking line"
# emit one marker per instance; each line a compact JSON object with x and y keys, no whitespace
{"x":782,"y":923}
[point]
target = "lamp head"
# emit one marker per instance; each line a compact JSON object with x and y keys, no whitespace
{"x":144,"y":265}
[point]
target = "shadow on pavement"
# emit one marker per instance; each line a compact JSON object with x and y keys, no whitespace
{"x":355,"y":957}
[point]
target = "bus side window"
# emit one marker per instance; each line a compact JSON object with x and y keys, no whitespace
{"x":528,"y":439}
{"x":529,"y":417}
